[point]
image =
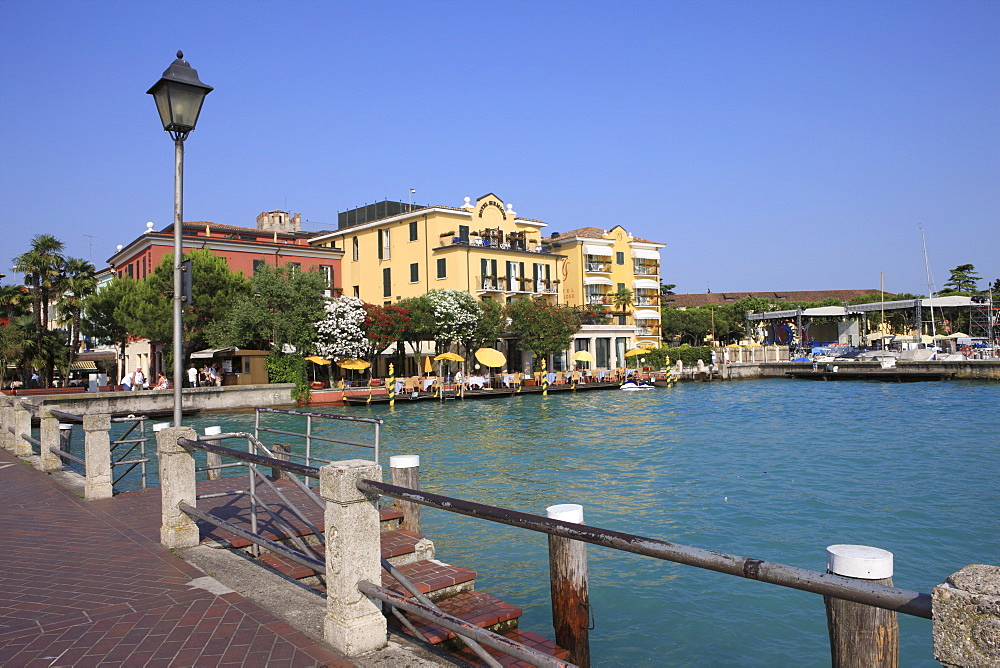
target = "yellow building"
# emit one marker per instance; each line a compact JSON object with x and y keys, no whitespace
{"x":393,"y":251}
{"x":597,"y":265}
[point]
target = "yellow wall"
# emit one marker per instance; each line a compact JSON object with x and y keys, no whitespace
{"x":462,"y":261}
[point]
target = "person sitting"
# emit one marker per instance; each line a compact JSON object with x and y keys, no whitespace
{"x":161,"y":382}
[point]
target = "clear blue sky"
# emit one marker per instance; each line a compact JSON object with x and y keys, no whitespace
{"x":772,"y":145}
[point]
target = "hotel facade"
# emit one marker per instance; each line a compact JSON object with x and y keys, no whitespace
{"x":393,"y":251}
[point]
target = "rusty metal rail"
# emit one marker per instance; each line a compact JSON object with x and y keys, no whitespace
{"x":869,"y":593}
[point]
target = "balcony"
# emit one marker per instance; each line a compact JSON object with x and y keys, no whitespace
{"x":599,"y":300}
{"x":646,"y":270}
{"x":511,"y":245}
{"x":646,"y":301}
{"x":598,"y":268}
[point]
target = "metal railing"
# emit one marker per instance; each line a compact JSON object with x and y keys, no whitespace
{"x":868,"y":593}
{"x":309,"y":436}
{"x":310,"y":557}
{"x":118,"y":456}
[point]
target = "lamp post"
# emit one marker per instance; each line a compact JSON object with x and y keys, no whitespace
{"x":179,"y":95}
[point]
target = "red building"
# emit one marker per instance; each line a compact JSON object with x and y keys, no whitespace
{"x":276,"y":241}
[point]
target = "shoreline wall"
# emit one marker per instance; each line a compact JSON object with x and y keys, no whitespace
{"x":970,"y":370}
{"x":206,"y":399}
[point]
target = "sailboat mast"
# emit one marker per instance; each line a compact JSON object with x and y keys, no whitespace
{"x":930,"y":288}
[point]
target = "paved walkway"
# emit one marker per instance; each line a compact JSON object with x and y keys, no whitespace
{"x":84,"y":584}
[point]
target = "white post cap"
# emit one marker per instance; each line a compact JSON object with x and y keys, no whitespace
{"x":404,"y":461}
{"x":160,"y":425}
{"x":567,"y":512}
{"x":213,"y":431}
{"x":859,"y":561}
{"x":65,"y":425}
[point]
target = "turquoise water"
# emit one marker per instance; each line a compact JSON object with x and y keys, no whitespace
{"x":775,"y":470}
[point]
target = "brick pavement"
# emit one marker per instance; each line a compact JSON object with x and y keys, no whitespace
{"x":86,"y":584}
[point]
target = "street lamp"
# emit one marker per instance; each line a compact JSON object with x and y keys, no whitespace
{"x":179,"y":95}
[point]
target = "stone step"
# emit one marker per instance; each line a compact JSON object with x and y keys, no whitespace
{"x":476,"y":607}
{"x":399,"y":547}
{"x":532,"y":640}
{"x":434,"y":579}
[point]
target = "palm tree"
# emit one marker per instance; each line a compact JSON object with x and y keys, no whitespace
{"x":13,"y":298}
{"x":41,"y":266}
{"x":78,"y":282}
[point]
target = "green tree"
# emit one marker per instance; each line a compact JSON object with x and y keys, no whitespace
{"x":667,"y":288}
{"x":148,"y":310}
{"x":104,"y":314}
{"x":78,"y":282}
{"x":456,"y":314}
{"x":623,"y":300}
{"x":491,"y":326}
{"x":12,"y":345}
{"x":41,"y":266}
{"x":279,"y":307}
{"x":543,"y":328}
{"x":963,"y":280}
{"x":14,"y":300}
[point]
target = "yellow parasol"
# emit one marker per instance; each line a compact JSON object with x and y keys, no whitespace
{"x":636,"y":352}
{"x":317,"y":360}
{"x":357,"y":365}
{"x":583,"y":356}
{"x":428,"y":365}
{"x":453,"y":357}
{"x":490,"y":357}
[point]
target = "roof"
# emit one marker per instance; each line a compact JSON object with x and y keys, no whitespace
{"x":721,"y":298}
{"x":593,"y":233}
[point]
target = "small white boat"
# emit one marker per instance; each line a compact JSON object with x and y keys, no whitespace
{"x":634,"y":385}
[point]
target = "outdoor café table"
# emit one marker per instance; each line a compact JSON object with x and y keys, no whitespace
{"x":507,"y":379}
{"x":475,"y":381}
{"x":428,"y":382}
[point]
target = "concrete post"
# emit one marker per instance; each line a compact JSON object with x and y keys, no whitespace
{"x":49,"y":437}
{"x":6,"y":420}
{"x":213,"y":458}
{"x":354,"y":623}
{"x":22,"y":426}
{"x":97,"y":453}
{"x":177,"y":483}
{"x":967,"y":617}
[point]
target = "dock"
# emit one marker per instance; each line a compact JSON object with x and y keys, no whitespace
{"x":878,"y":375}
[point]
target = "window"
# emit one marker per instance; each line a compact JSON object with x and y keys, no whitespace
{"x":442,"y":268}
{"x":258,"y":266}
{"x":326,"y":271}
{"x":357,"y":292}
{"x":295,"y":266}
{"x":383,"y":244}
{"x":128,"y":270}
{"x":621,"y":286}
{"x":413,"y":231}
{"x":386,"y":283}
{"x":414,"y":272}
{"x":463,"y":232}
{"x":144,"y":267}
{"x":354,"y":249}
{"x":620,"y":257}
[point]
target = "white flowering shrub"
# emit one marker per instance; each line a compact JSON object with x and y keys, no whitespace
{"x":341,"y":333}
{"x":456,"y":315}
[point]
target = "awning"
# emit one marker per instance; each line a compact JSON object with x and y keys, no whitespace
{"x":209,"y":353}
{"x":597,"y":280}
{"x":647,"y":314}
{"x":825,"y":311}
{"x":643,"y":254}
{"x":645,"y":284}
{"x":83,"y":366}
{"x":592,"y":249}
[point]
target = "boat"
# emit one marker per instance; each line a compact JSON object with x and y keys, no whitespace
{"x":635,"y":385}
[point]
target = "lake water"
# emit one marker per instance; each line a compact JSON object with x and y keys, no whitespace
{"x":772,"y":469}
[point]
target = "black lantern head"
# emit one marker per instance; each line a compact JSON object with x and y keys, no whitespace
{"x":179,"y":95}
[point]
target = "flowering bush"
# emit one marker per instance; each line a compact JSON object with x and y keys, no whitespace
{"x":384,"y":325}
{"x":456,"y":315}
{"x":341,"y":333}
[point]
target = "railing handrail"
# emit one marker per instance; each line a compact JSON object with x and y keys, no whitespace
{"x":334,"y":416}
{"x":260,"y":460}
{"x":878,"y":595}
{"x":63,"y":415}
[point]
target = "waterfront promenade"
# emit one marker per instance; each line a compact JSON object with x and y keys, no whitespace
{"x":87,"y":583}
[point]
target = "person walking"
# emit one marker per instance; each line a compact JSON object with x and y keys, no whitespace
{"x":192,"y":376}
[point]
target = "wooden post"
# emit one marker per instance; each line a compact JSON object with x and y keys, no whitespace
{"x":213,"y":458}
{"x":65,"y":439}
{"x":280,"y":451}
{"x":568,"y":583}
{"x":406,"y":473}
{"x":861,"y":635}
